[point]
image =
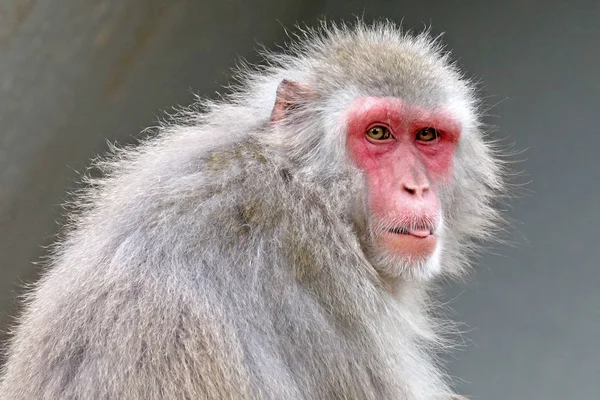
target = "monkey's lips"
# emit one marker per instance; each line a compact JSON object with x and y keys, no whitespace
{"x":415,"y":242}
{"x":417,"y":232}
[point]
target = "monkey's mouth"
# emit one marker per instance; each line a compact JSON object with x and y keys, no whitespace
{"x":420,"y":232}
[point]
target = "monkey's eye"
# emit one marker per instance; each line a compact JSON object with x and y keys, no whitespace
{"x":427,"y":134}
{"x":379,"y":132}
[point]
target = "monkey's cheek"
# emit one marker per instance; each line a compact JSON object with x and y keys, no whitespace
{"x":406,"y":245}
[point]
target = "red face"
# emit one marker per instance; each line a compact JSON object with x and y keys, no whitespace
{"x":406,"y":154}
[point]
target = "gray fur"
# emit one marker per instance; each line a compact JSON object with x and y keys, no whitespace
{"x":222,"y":259}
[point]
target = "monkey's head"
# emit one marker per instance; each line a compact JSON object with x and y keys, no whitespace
{"x":391,"y":108}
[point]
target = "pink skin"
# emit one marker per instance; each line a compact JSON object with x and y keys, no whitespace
{"x":402,"y":172}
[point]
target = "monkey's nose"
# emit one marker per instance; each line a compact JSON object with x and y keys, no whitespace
{"x":415,"y":189}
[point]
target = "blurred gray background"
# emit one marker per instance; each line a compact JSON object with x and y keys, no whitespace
{"x":76,"y":73}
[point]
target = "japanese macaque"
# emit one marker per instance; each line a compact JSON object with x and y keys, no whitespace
{"x":280,"y":243}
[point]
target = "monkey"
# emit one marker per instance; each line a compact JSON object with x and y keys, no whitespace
{"x":281,"y":242}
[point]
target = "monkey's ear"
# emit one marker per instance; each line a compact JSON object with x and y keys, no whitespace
{"x":289,"y":95}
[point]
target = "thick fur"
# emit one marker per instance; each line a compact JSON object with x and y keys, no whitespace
{"x":224,"y":259}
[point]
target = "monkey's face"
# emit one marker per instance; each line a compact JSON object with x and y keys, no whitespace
{"x":406,"y":154}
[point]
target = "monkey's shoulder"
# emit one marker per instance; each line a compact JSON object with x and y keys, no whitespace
{"x":216,"y":194}
{"x":203,"y":207}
